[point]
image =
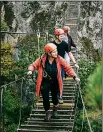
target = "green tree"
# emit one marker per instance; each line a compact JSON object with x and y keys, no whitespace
{"x":93,"y":95}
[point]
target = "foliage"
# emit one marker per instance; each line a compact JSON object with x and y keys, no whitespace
{"x":14,"y":99}
{"x":93,"y":97}
{"x":28,"y":53}
{"x":96,"y":124}
{"x":89,"y":50}
{"x":6,"y":58}
{"x":86,"y":68}
{"x":28,"y":48}
{"x":11,"y":128}
{"x":3,"y":26}
{"x":90,"y":75}
{"x":11,"y":105}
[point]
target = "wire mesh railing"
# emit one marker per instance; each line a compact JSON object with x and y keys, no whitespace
{"x":17,"y":101}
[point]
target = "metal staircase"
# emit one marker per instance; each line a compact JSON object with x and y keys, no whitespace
{"x":66,"y":112}
{"x":64,"y":121}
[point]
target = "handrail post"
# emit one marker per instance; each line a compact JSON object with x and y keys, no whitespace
{"x":38,"y":37}
{"x":1,"y":111}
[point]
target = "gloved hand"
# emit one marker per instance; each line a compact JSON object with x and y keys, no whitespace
{"x":77,"y":80}
{"x":76,"y":65}
{"x":29,"y":73}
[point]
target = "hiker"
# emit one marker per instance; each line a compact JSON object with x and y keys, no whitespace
{"x":49,"y":77}
{"x":68,"y":38}
{"x":62,"y":48}
{"x":70,"y":42}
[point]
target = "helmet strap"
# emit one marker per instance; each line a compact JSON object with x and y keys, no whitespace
{"x":57,"y":40}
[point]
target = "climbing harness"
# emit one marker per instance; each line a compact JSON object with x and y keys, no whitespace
{"x":45,"y":74}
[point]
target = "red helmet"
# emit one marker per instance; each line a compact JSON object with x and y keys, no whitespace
{"x":59,"y":31}
{"x":49,"y":47}
{"x":66,"y":28}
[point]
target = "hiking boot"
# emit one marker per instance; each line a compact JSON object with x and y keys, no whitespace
{"x":54,"y":114}
{"x":48,"y":116}
{"x":60,"y":100}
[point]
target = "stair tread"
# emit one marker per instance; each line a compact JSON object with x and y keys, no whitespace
{"x":30,"y":130}
{"x":34,"y":125}
{"x":70,"y":100}
{"x":49,"y":123}
{"x":44,"y":110}
{"x":65,"y":96}
{"x":65,"y":104}
{"x":36,"y":119}
{"x":59,"y":115}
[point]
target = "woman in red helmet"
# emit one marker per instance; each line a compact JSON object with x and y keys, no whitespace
{"x":49,"y":78}
{"x":70,"y":42}
{"x":62,"y":48}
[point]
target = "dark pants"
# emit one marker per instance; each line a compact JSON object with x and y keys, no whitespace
{"x":46,"y":87}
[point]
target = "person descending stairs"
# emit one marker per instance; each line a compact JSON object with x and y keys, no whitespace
{"x":60,"y":118}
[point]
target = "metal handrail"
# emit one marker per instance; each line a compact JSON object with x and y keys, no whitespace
{"x":2,"y":89}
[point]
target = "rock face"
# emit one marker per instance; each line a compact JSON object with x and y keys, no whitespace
{"x":31,"y":16}
{"x":90,"y":22}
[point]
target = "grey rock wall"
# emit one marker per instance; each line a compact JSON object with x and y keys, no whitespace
{"x":90,"y":22}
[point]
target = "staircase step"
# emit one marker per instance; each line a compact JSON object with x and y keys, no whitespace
{"x":54,"y":120}
{"x":70,"y":85}
{"x":69,"y":97}
{"x":70,"y":78}
{"x":61,"y":105}
{"x":49,"y":123}
{"x":68,"y":90}
{"x":60,"y":116}
{"x":30,"y":130}
{"x":70,"y":93}
{"x":43,"y":127}
{"x":65,"y":84}
{"x":70,"y":81}
{"x":70,"y":24}
{"x":59,"y":111}
{"x":42,"y":110}
{"x":65,"y":107}
{"x":65,"y":101}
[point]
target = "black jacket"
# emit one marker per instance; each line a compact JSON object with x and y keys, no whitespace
{"x":70,"y":41}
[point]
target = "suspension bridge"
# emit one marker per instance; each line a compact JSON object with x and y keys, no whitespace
{"x":65,"y":120}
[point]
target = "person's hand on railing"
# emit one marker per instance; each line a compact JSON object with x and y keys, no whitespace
{"x":77,"y":80}
{"x":76,"y":65}
{"x":29,"y":73}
